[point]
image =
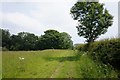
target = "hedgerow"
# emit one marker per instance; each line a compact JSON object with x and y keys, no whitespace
{"x":107,"y":51}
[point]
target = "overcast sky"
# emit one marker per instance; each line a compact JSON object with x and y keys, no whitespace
{"x":38,"y":16}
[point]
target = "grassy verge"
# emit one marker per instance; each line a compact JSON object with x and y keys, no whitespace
{"x":0,"y":64}
{"x":88,"y":68}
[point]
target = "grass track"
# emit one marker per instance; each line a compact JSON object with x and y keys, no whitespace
{"x":52,"y":64}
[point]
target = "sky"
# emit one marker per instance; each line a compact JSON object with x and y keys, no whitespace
{"x":37,"y":16}
{"x":119,"y":19}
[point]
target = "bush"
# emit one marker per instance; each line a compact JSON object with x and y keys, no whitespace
{"x":107,"y":51}
{"x":80,"y":47}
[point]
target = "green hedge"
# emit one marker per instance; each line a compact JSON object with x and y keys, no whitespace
{"x":106,"y":51}
{"x":80,"y":47}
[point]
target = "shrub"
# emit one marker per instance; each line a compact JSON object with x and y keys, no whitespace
{"x":79,"y":47}
{"x":107,"y":51}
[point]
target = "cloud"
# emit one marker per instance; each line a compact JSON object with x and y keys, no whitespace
{"x":20,"y":19}
{"x":37,"y":0}
{"x":54,"y":15}
{"x":24,"y":21}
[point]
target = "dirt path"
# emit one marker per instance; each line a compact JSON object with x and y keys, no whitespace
{"x":57,"y":69}
{"x":60,"y":66}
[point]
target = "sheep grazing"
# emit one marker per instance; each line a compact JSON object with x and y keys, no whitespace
{"x":21,"y":58}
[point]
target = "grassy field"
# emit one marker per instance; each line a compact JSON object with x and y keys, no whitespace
{"x":0,"y":64}
{"x":52,"y":64}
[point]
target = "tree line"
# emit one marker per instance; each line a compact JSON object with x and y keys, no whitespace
{"x":52,"y":39}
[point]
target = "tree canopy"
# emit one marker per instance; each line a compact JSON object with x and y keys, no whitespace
{"x":52,"y":39}
{"x":23,"y":41}
{"x":6,"y":42}
{"x":93,"y":19}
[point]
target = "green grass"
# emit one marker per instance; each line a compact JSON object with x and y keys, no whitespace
{"x":52,"y":64}
{"x":0,"y":64}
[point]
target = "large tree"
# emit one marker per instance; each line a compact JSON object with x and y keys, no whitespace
{"x":93,"y":19}
{"x":67,"y":43}
{"x":29,"y":40}
{"x":49,"y":40}
{"x":53,"y":39}
{"x":24,"y":41}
